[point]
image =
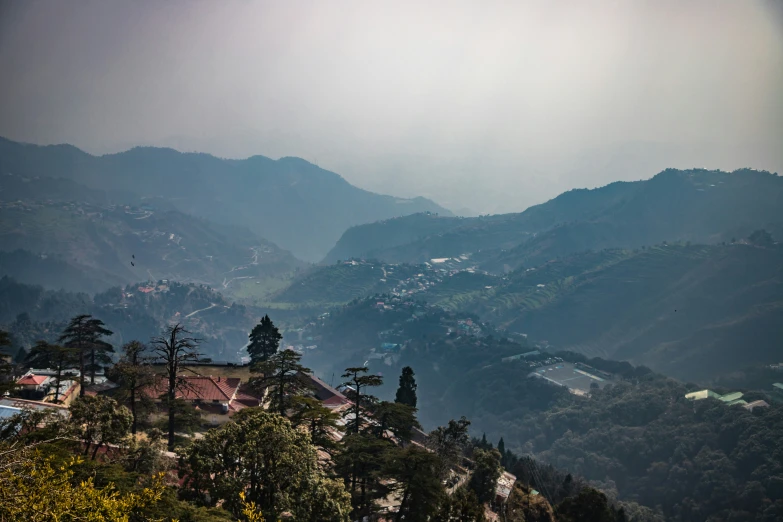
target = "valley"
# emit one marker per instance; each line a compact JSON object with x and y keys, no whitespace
{"x":586,"y":303}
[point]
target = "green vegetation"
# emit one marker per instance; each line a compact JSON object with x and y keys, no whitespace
{"x":345,"y":281}
{"x":103,"y":245}
{"x":318,"y":205}
{"x":698,"y":205}
{"x":683,"y":310}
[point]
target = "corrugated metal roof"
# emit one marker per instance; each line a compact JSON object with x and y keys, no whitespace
{"x":8,"y":411}
{"x":702,"y":394}
{"x":731,"y":397}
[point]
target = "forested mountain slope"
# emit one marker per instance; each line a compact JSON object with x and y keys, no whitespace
{"x":291,"y":202}
{"x":138,"y":311}
{"x":113,"y":244}
{"x":689,"y":205}
{"x":639,"y":438}
{"x":691,"y":312}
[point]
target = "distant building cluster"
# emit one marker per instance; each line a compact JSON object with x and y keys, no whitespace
{"x":730,"y":399}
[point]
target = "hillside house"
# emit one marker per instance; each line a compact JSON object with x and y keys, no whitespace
{"x":40,"y":384}
{"x":504,"y":486}
{"x":32,"y":383}
{"x":216,"y":398}
{"x":756,"y":404}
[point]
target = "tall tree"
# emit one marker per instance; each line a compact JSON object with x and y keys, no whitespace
{"x":264,"y":340}
{"x":406,"y":392}
{"x":135,"y":377}
{"x":321,"y":422}
{"x":415,"y":473}
{"x":59,"y":358}
{"x":362,"y":465}
{"x":261,"y":456}
{"x":396,"y":417}
{"x":359,"y":380}
{"x":85,"y":334}
{"x":486,"y":473}
{"x":448,"y":442}
{"x":279,"y":373}
{"x":175,"y":348}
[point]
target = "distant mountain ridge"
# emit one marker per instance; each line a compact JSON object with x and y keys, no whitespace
{"x":83,"y":245}
{"x":289,"y":201}
{"x":690,"y":205}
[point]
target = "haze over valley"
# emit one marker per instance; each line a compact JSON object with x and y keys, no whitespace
{"x":371,"y":262}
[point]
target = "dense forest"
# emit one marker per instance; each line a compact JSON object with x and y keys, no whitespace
{"x":639,"y":439}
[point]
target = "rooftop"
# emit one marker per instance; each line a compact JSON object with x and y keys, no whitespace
{"x":205,"y":388}
{"x":32,"y":380}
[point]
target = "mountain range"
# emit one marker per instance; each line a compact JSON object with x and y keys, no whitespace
{"x":689,"y":205}
{"x":290,"y":202}
{"x":50,"y":222}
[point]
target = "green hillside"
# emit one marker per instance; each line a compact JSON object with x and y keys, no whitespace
{"x":289,"y":201}
{"x":345,"y":281}
{"x":113,"y":244}
{"x":688,"y":311}
{"x":688,"y":205}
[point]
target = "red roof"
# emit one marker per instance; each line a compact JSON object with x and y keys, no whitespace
{"x":201,"y":388}
{"x":36,"y":380}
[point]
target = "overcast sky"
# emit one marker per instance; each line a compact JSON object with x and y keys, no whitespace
{"x":491,"y":106}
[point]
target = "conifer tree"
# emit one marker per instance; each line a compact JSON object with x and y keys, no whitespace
{"x":85,"y":335}
{"x":264,"y":340}
{"x":358,"y":380}
{"x":58,"y":358}
{"x":406,"y":392}
{"x":280,"y":373}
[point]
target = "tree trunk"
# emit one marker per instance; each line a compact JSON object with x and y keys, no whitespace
{"x":171,"y":423}
{"x":403,"y":504}
{"x":133,"y":408}
{"x":80,"y":345}
{"x":92,"y":366}
{"x":95,"y":451}
{"x":57,"y":380}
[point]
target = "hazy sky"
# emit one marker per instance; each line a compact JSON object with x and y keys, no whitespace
{"x":487,"y":105}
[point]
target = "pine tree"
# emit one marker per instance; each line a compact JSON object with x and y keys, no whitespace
{"x":502,"y":451}
{"x":406,"y":393}
{"x":58,"y":358}
{"x":358,"y":380}
{"x":264,"y":341}
{"x":280,"y":373}
{"x":321,"y":422}
{"x":85,"y":334}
